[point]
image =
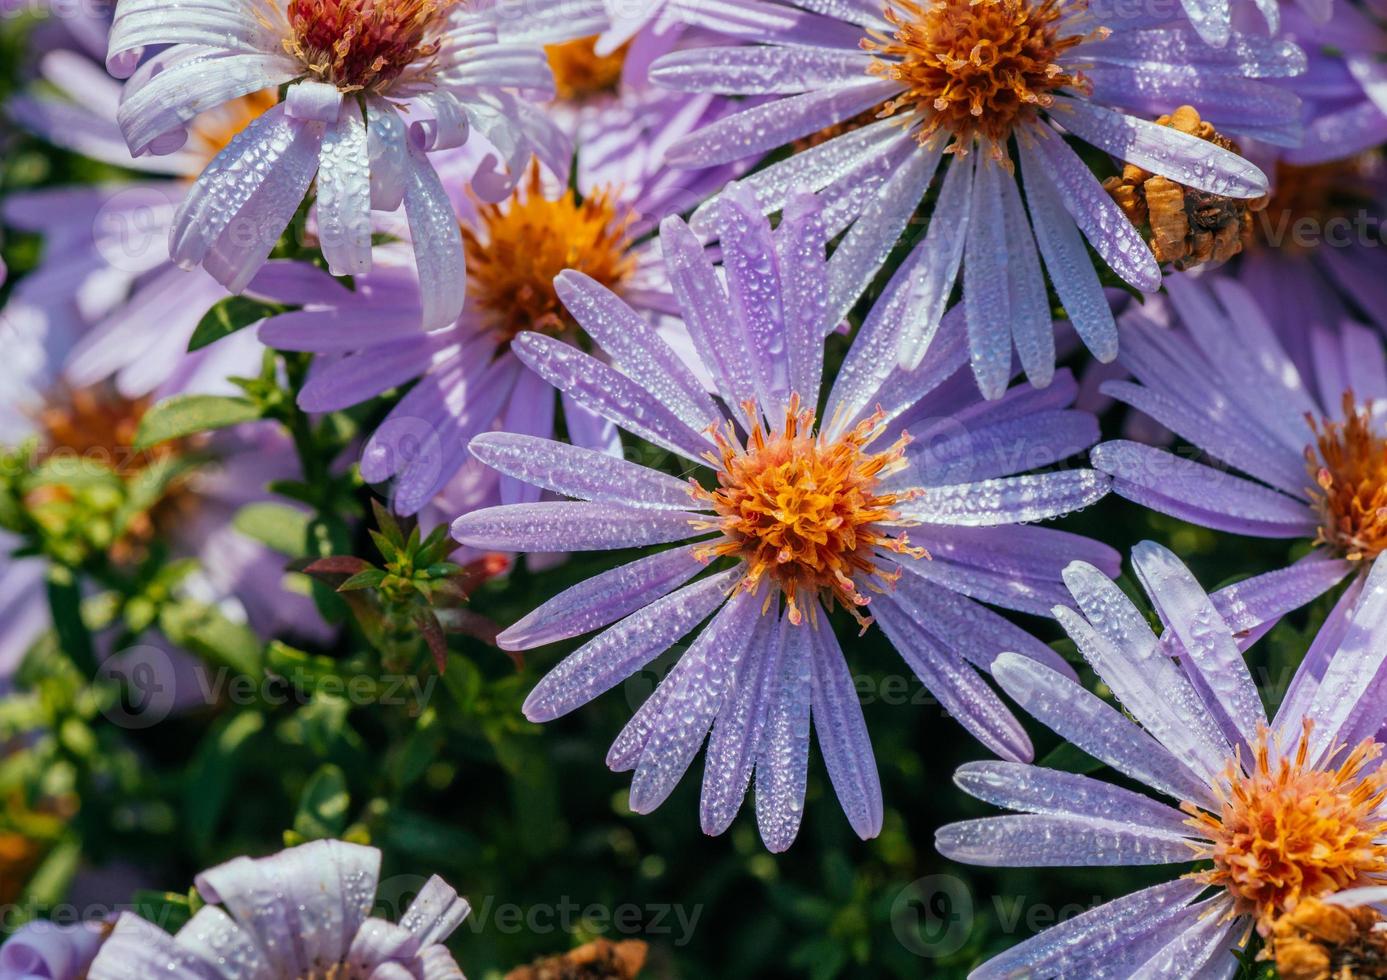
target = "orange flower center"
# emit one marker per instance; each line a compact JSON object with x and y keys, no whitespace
{"x":1287,"y":831}
{"x":210,"y":132}
{"x":1349,"y":465}
{"x":580,"y":72}
{"x":974,"y":68}
{"x":364,"y":44}
{"x":520,"y":245}
{"x":97,"y":427}
{"x":805,"y":512}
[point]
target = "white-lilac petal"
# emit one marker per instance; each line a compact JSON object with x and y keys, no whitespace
{"x":1008,"y":500}
{"x":585,"y":474}
{"x":782,"y":768}
{"x":1051,"y":792}
{"x":1058,"y":842}
{"x":570,"y":526}
{"x":615,"y":654}
{"x":842,"y":735}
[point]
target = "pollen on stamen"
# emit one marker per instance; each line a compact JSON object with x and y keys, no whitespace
{"x":517,"y":247}
{"x":364,"y":44}
{"x":1348,"y":463}
{"x":975,"y":68}
{"x":807,"y":513}
{"x":1288,"y":831}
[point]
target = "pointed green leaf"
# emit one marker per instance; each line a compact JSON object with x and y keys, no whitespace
{"x":185,"y":415}
{"x":230,"y":315}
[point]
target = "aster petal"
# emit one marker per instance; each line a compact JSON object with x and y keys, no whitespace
{"x":1226,"y":101}
{"x":1097,"y":215}
{"x":1025,"y":552}
{"x":1190,"y":951}
{"x":1096,"y":727}
{"x":1147,"y":682}
{"x":435,"y":912}
{"x":759,"y":70}
{"x":213,"y":936}
{"x":1088,"y":936}
{"x":142,"y":23}
{"x":973,"y":630}
{"x":752,"y":273}
{"x":1191,"y":616}
{"x":1245,"y":54}
{"x":698,"y":685}
{"x":1201,"y":494}
{"x":272,"y":148}
{"x":986,"y":296}
{"x":753,"y":21}
{"x":1009,"y":500}
{"x":603,"y":599}
{"x":137,"y":948}
{"x":1067,"y":260}
{"x":344,"y":194}
{"x":1336,"y":135}
{"x":386,"y":140}
{"x":765,"y":127}
{"x":378,"y":943}
{"x":1058,"y":842}
{"x":1354,"y":668}
{"x":1050,"y":792}
{"x":437,"y":242}
{"x":585,"y":474}
{"x":858,"y":258}
{"x":738,"y":729}
{"x":799,"y":244}
{"x":609,"y":393}
{"x":168,"y":101}
{"x":842,"y":735}
{"x":707,"y":313}
{"x":962,"y":453}
{"x":636,"y":348}
{"x":1032,"y":329}
{"x":570,"y":526}
{"x":782,"y":769}
{"x":1266,"y":598}
{"x":961,"y":692}
{"x":831,"y":162}
{"x":1163,"y":150}
{"x":991,"y":582}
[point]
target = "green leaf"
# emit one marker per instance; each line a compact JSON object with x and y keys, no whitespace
{"x":324,"y":805}
{"x":213,"y":772}
{"x":185,"y":415}
{"x":205,"y":631}
{"x":167,"y":910}
{"x":230,"y":315}
{"x":367,"y":579}
{"x":65,"y":604}
{"x":279,"y":527}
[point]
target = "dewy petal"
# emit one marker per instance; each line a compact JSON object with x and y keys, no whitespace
{"x":1009,"y":500}
{"x":986,"y":297}
{"x":1354,"y":668}
{"x":609,"y":393}
{"x":1067,"y":260}
{"x":1064,"y":948}
{"x":1095,"y":727}
{"x":858,"y":258}
{"x":437,"y":241}
{"x":698,"y":685}
{"x":344,"y":194}
{"x":1022,"y":841}
{"x":1050,"y":792}
{"x":799,"y":243}
{"x":1162,"y":150}
{"x":1032,"y":330}
{"x":782,"y":770}
{"x":1195,"y":492}
{"x":1093,"y":210}
{"x":617,"y":653}
{"x":603,"y":599}
{"x":137,"y":948}
{"x":212,"y":935}
{"x":570,"y":526}
{"x":386,"y":141}
{"x":759,"y":70}
{"x":1190,"y":615}
{"x":1245,"y":55}
{"x":636,"y":348}
{"x":738,"y":729}
{"x":582,"y":473}
{"x":842,"y":734}
{"x":435,"y":912}
{"x":1190,"y":951}
{"x":961,"y":692}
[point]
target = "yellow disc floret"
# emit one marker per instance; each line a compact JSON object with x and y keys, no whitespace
{"x":806,"y":512}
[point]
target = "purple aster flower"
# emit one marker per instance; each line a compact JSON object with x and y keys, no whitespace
{"x":301,"y":914}
{"x":800,"y":519}
{"x":900,"y":88}
{"x":45,"y":951}
{"x":1310,"y":452}
{"x":1273,"y":811}
{"x":370,"y":340}
{"x":372,"y":87}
